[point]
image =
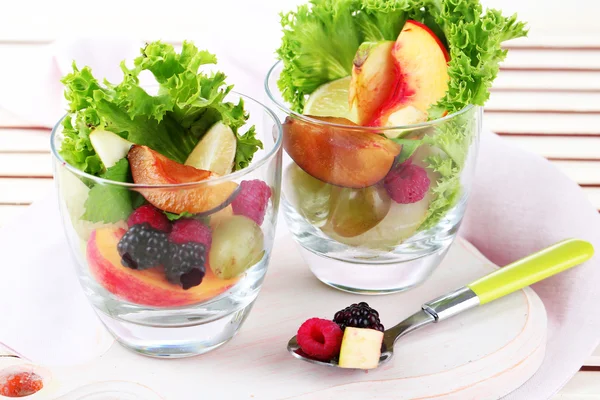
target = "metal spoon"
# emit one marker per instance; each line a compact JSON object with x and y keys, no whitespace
{"x":515,"y":276}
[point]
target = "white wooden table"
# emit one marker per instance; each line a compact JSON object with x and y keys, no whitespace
{"x":546,"y":99}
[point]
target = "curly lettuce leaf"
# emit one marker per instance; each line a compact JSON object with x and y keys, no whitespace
{"x":321,"y":38}
{"x":171,"y":122}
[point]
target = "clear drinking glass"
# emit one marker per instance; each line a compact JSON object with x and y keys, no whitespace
{"x":348,"y":202}
{"x":142,"y":309}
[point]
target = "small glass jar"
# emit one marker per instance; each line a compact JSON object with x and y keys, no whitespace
{"x":143,"y":309}
{"x":374,"y":209}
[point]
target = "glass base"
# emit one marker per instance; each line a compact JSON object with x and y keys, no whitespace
{"x":373,"y":279}
{"x":175,"y":341}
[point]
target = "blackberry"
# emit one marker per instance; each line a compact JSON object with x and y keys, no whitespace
{"x":186,"y":265}
{"x":358,"y":316}
{"x":143,"y":247}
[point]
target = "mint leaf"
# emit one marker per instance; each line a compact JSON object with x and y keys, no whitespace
{"x":110,"y":203}
{"x":175,"y":217}
{"x":409,"y":146}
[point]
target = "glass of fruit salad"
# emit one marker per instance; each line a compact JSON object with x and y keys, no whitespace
{"x":169,"y":196}
{"x":381,"y":103}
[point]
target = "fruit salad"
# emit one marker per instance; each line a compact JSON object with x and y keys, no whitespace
{"x":148,"y":191}
{"x":383,"y":114}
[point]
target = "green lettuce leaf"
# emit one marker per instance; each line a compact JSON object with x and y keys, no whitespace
{"x":321,"y":38}
{"x":172,"y":121}
{"x":175,"y":217}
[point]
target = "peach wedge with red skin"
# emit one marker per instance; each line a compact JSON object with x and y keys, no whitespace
{"x":149,"y":287}
{"x":422,"y":67}
{"x":334,"y":154}
{"x":373,"y":79}
{"x":151,"y":168}
{"x":412,"y":75}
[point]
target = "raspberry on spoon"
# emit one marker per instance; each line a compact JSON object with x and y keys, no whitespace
{"x":320,"y":338}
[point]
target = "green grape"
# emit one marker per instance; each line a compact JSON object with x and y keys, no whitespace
{"x":355,"y":211}
{"x":237,"y":244}
{"x":310,"y":196}
{"x":401,"y":222}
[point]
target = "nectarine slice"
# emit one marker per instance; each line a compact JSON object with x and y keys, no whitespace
{"x":151,"y":168}
{"x":421,"y":62}
{"x":373,"y":79}
{"x":149,"y":287}
{"x":341,"y":156}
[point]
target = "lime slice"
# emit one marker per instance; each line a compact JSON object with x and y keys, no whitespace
{"x":330,"y":100}
{"x":216,"y":151}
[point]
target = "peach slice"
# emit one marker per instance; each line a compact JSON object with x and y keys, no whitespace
{"x":421,"y":62}
{"x":151,"y":168}
{"x":148,"y":287}
{"x":373,"y":79}
{"x":341,"y":156}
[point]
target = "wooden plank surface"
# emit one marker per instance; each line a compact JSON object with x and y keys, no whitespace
{"x":20,"y":140}
{"x":26,"y":165}
{"x":16,"y":191}
{"x":585,"y":385}
{"x":583,"y":172}
{"x":542,"y":123}
{"x":581,"y":148}
{"x":9,"y":213}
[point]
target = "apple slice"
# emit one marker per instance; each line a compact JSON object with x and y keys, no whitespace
{"x":361,"y":348}
{"x":341,"y":156}
{"x":151,"y":168}
{"x":421,"y":63}
{"x":215,"y":151}
{"x":373,"y":79}
{"x":109,"y":146}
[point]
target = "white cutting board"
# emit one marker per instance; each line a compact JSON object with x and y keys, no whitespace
{"x":482,"y":354}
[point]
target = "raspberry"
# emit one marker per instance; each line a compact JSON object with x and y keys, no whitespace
{"x":252,"y":200}
{"x":320,"y":338}
{"x":358,"y":316}
{"x":20,"y":384}
{"x":152,"y":215}
{"x":143,"y":247}
{"x":191,"y":230}
{"x":186,"y":265}
{"x":407,"y":183}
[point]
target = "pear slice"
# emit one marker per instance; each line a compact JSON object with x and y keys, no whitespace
{"x":109,"y":146}
{"x":216,"y":150}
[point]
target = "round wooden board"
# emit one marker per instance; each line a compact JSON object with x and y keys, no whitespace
{"x":482,"y":354}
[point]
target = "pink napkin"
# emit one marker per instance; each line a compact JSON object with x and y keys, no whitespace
{"x":520,"y":202}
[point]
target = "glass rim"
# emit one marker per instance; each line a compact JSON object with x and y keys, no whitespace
{"x":377,"y":129}
{"x":256,"y":163}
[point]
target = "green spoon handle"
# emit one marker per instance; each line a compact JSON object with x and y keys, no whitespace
{"x":532,"y":269}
